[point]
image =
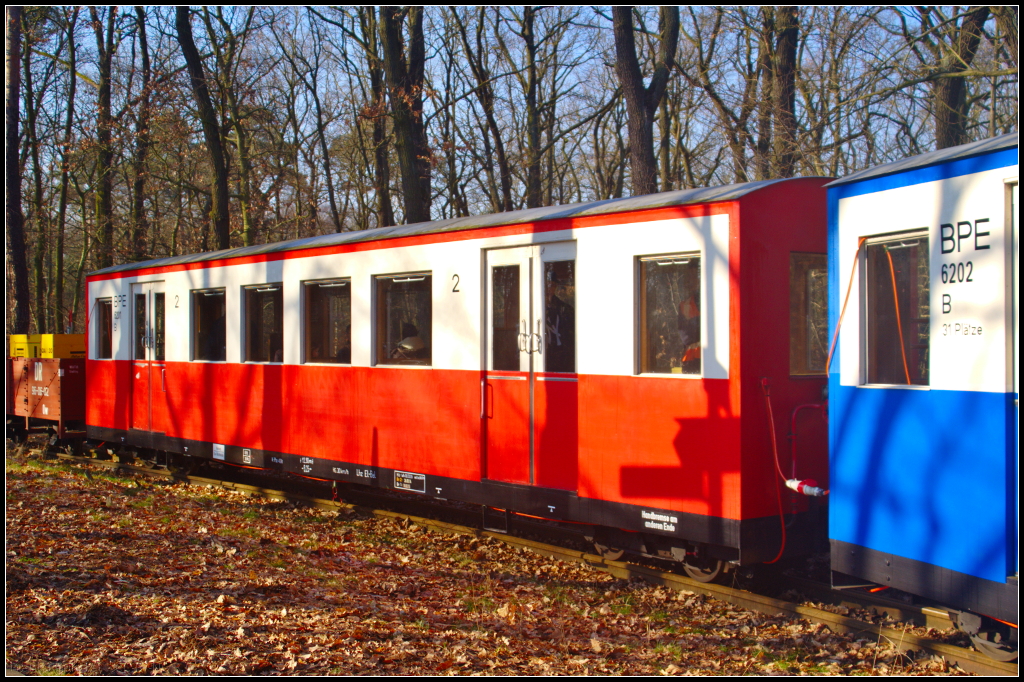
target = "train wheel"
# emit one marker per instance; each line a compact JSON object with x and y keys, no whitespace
{"x":147,"y":459}
{"x":16,"y":430}
{"x":706,"y":572}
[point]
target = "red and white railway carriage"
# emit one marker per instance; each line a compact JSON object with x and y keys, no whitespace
{"x":599,"y":363}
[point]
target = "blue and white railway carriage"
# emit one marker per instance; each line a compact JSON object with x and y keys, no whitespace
{"x":923,"y":383}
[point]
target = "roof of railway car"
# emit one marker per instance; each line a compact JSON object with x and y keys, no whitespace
{"x":993,"y":144}
{"x":683,"y":197}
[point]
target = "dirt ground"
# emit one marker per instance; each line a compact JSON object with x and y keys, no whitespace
{"x":113,"y":575}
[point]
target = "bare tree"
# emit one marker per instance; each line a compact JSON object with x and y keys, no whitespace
{"x":106,"y":46}
{"x":784,"y":70}
{"x":953,"y":45}
{"x":476,"y":55}
{"x":405,"y":73}
{"x":142,"y":143}
{"x":17,"y":264}
{"x":71,"y":20}
{"x":219,"y":218}
{"x":642,"y":102}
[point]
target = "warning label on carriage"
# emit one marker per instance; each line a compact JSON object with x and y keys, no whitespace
{"x":416,"y":483}
{"x":659,"y":521}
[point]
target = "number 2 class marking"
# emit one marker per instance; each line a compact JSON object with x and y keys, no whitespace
{"x":455,"y":289}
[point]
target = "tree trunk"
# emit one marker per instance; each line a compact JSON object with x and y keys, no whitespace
{"x":80,"y":270}
{"x":104,"y":139}
{"x":142,"y":142}
{"x":405,"y":85}
{"x":65,"y":168}
{"x":38,"y":215}
{"x":533,"y":197}
{"x":950,"y":94}
{"x":17,"y":264}
{"x":378,"y":119}
{"x":765,"y":103}
{"x":321,"y":131}
{"x":787,"y":29}
{"x":219,"y":218}
{"x":641,"y":102}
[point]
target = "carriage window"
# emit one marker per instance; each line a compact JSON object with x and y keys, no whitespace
{"x":264,"y":323}
{"x":208,"y":318}
{"x":159,"y":335}
{"x":104,"y":325}
{"x":140,"y":326}
{"x":404,"y":318}
{"x":670,"y":336}
{"x":560,"y":316}
{"x":328,"y":308}
{"x":505,"y":322}
{"x":896,"y":310}
{"x":808,"y":313}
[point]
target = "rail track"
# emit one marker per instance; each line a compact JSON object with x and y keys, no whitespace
{"x":461,"y":519}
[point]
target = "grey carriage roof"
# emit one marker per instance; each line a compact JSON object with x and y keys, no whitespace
{"x":681,"y":197}
{"x":992,"y":144}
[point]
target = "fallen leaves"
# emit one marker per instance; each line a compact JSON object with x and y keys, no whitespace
{"x":108,"y":575}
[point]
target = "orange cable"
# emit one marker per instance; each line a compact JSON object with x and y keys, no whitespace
{"x":775,"y":450}
{"x":846,"y":299}
{"x":1004,"y":622}
{"x":899,"y":323}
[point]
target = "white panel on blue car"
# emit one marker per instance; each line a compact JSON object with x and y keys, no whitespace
{"x":968,"y":288}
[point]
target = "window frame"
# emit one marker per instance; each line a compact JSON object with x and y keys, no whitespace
{"x":307,"y":340}
{"x":380,"y":351}
{"x":641,"y":365}
{"x":98,"y":337}
{"x":265,"y":287}
{"x":799,"y":321}
{"x":194,"y":312}
{"x":866,"y":327}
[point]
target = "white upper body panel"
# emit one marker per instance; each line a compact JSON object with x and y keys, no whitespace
{"x":606,"y":294}
{"x":970,"y":312}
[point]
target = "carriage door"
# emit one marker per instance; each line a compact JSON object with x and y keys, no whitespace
{"x":148,"y":367}
{"x":530,"y":384}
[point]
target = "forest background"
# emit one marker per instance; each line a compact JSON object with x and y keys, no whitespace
{"x":142,"y":132}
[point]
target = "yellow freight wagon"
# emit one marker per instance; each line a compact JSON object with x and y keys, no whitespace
{"x":62,"y":345}
{"x":25,"y":345}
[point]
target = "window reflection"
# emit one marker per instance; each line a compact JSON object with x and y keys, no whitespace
{"x":670,"y":310}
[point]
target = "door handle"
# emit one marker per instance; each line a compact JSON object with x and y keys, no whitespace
{"x":540,"y":341}
{"x":523,"y":338}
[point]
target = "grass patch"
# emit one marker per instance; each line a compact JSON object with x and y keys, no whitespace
{"x":623,"y":608}
{"x":673,"y":650}
{"x":45,"y":671}
{"x":461,"y":558}
{"x":478,"y":604}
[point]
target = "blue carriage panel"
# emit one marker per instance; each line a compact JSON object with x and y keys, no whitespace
{"x":928,"y":472}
